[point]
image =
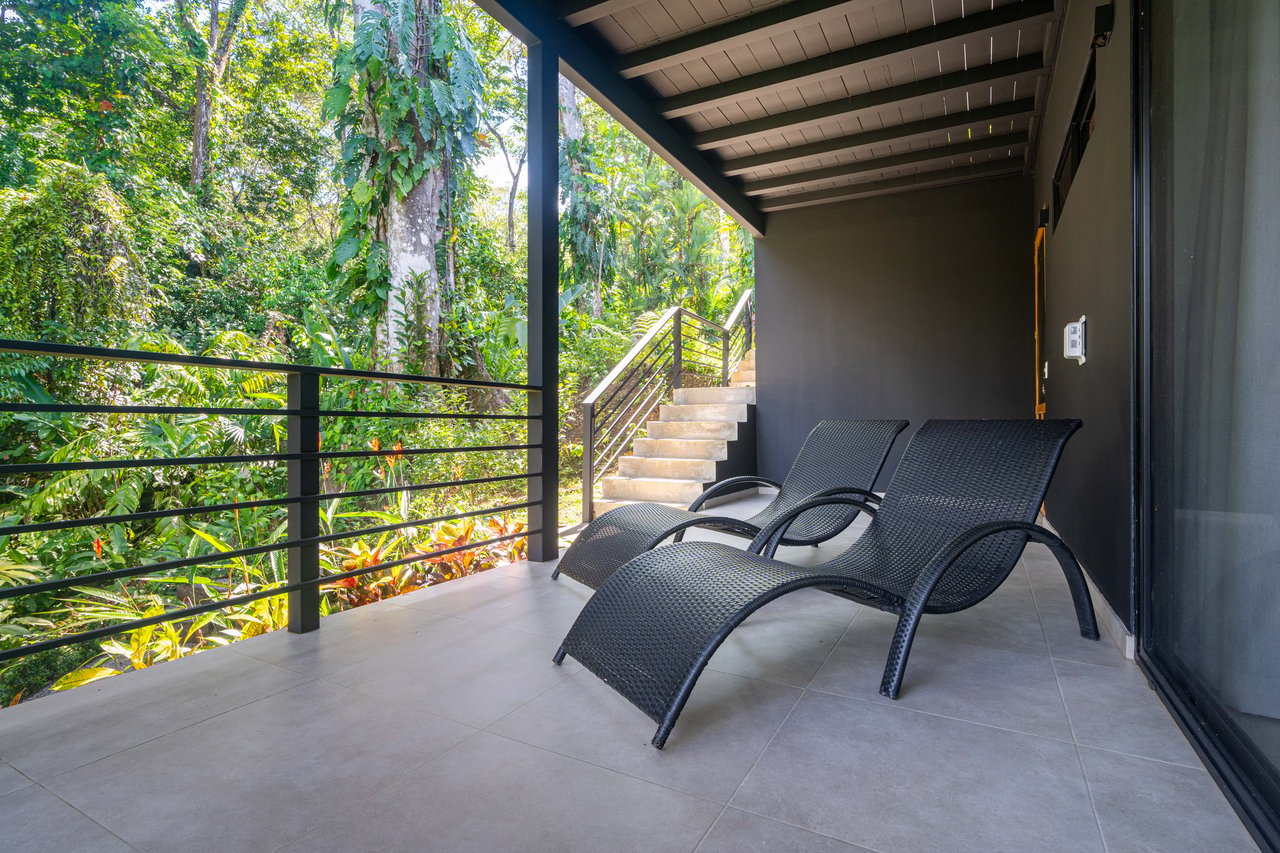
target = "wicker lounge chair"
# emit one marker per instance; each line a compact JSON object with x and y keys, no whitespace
{"x":952,"y":524}
{"x":838,"y":457}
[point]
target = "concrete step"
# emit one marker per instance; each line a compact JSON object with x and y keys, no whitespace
{"x":743,"y":376}
{"x":749,"y":360}
{"x":693,"y":429}
{"x":694,"y":396}
{"x":682,"y":448}
{"x":704,"y":412}
{"x":601,"y":505}
{"x":701,"y":470}
{"x":657,"y":489}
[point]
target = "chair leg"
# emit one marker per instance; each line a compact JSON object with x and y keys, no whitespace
{"x":559,"y":656}
{"x":1085,"y":615}
{"x":555,"y":573}
{"x":896,"y":666}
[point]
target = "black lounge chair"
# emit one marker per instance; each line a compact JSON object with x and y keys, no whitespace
{"x":838,"y":457}
{"x":955,"y":519}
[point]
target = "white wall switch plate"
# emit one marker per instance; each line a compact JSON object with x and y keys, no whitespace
{"x":1073,"y":340}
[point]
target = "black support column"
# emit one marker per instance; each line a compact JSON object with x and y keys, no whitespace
{"x":544,"y":298}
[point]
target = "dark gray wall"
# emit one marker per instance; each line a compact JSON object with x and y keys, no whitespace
{"x":1089,"y":272}
{"x":916,"y":306}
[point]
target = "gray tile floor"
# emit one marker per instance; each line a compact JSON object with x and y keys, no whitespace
{"x":436,"y":721}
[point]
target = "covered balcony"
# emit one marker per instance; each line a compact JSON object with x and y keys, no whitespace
{"x":937,"y":189}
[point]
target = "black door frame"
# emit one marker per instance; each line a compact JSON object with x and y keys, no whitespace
{"x":1232,"y":764}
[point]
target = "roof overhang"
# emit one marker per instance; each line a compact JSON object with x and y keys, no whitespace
{"x":778,"y":105}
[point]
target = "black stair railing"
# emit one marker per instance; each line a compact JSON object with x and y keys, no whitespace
{"x":681,"y":349}
{"x":303,"y":459}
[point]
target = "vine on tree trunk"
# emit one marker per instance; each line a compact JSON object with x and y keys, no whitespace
{"x":405,"y":101}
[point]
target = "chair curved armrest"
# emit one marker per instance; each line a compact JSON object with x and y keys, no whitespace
{"x":868,"y":496}
{"x":730,"y":485}
{"x":770,"y":536}
{"x":946,"y":557}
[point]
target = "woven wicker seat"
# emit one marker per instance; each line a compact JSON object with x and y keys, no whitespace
{"x":838,"y":457}
{"x":952,"y":525}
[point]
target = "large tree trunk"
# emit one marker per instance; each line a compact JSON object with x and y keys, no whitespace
{"x":220,"y":39}
{"x":412,"y":229}
{"x":414,"y":301}
{"x":572,"y":131}
{"x":201,"y":117}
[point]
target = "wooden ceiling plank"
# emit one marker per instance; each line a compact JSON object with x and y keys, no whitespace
{"x":575,"y":13}
{"x":906,"y":183}
{"x":859,"y":57}
{"x":880,"y":164}
{"x":771,"y":21}
{"x":954,"y":82}
{"x":795,"y":154}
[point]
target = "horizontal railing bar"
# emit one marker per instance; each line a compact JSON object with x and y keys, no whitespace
{"x":187,"y":562}
{"x":89,"y":409}
{"x":416,"y":451}
{"x":134,"y":571}
{"x":108,"y":464}
{"x":459,"y":416}
{"x":418,"y":487}
{"x":196,"y":610}
{"x":150,"y":515}
{"x":420,"y":522}
{"x":154,"y":462}
{"x":37,"y":348}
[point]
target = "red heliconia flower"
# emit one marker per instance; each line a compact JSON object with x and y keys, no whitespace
{"x":375,"y":444}
{"x":97,"y":548}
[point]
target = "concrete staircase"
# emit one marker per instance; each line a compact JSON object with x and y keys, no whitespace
{"x":706,"y":435}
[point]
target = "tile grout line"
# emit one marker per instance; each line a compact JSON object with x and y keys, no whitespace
{"x":84,"y":815}
{"x":603,"y":767}
{"x":769,"y":743}
{"x":774,"y":736}
{"x":382,"y":788}
{"x":309,"y":680}
{"x":1088,"y":786}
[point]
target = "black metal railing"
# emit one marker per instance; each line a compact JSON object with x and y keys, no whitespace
{"x":304,"y":464}
{"x":681,"y":349}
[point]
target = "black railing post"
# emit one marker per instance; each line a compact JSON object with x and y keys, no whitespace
{"x":677,"y":349}
{"x":304,"y":511}
{"x":544,"y":299}
{"x":588,"y":460}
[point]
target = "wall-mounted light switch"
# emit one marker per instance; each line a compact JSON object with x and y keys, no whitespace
{"x":1073,"y":340}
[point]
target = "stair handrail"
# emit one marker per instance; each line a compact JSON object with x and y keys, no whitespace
{"x":646,"y":376}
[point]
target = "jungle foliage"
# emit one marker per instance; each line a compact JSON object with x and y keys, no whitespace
{"x":214,"y":178}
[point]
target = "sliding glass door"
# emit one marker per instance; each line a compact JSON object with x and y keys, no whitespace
{"x":1213,"y":602}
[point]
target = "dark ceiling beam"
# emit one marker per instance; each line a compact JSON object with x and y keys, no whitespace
{"x":859,"y":57}
{"x":537,"y":21}
{"x":796,"y":180}
{"x":956,"y":81}
{"x":575,"y":13}
{"x":894,"y":185}
{"x":899,"y":132}
{"x":739,"y":31}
